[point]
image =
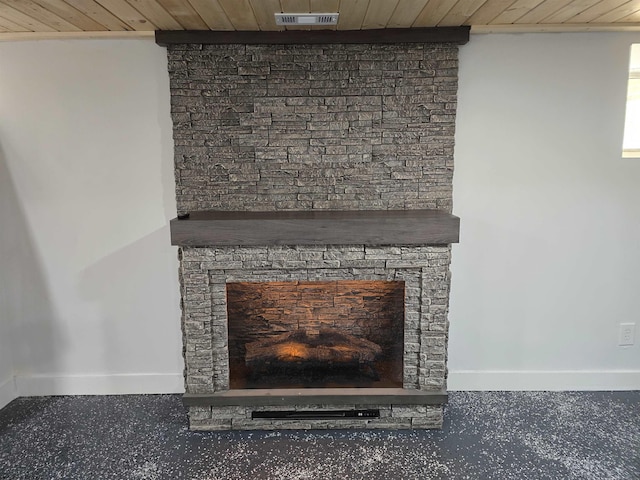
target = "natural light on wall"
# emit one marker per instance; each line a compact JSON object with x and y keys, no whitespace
{"x":631,"y":142}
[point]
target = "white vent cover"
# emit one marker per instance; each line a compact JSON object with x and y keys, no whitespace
{"x":306,"y":18}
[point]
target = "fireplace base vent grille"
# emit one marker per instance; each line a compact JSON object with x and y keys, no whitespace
{"x":315,"y":414}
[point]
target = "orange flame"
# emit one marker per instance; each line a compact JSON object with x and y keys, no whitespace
{"x":292,"y":351}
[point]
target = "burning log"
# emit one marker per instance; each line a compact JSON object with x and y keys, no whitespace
{"x":324,"y":347}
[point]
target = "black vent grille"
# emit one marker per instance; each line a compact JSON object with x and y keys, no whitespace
{"x":316,"y":414}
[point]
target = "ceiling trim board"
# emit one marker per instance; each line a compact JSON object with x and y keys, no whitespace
{"x":20,"y":36}
{"x":556,"y":28}
{"x":457,"y":35}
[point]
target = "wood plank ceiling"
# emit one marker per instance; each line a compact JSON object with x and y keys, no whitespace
{"x":24,"y":18}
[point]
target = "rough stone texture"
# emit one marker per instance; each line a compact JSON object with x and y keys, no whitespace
{"x":301,"y":127}
{"x":311,"y":127}
{"x":391,"y":416}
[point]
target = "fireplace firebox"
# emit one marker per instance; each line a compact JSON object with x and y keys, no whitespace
{"x":303,"y":334}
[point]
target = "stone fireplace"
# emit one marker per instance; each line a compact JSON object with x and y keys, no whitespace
{"x":313,"y":185}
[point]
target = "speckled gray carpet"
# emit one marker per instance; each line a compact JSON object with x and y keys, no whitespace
{"x":516,"y":435}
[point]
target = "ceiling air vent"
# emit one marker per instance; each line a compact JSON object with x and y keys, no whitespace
{"x":306,"y":18}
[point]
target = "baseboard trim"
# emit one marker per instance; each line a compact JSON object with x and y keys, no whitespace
{"x":8,"y":392}
{"x":560,"y":380}
{"x":461,"y":380}
{"x":117,"y":384}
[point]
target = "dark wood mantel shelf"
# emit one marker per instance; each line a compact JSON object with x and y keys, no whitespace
{"x":320,"y":227}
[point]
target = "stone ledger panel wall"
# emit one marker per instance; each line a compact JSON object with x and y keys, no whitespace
{"x":301,"y":127}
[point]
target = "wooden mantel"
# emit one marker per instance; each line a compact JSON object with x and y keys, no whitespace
{"x":323,"y":227}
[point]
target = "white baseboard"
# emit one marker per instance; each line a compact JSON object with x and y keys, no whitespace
{"x":8,"y":392}
{"x":117,"y":384}
{"x":566,"y":380}
{"x":470,"y":380}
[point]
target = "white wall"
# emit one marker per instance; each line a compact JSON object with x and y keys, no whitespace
{"x":12,"y":239}
{"x":545,"y":271}
{"x":548,"y":263}
{"x":85,"y":135}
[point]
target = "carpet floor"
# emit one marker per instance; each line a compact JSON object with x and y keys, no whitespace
{"x":487,"y":435}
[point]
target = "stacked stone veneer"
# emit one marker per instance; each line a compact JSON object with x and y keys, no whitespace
{"x":304,"y":127}
{"x":268,"y":127}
